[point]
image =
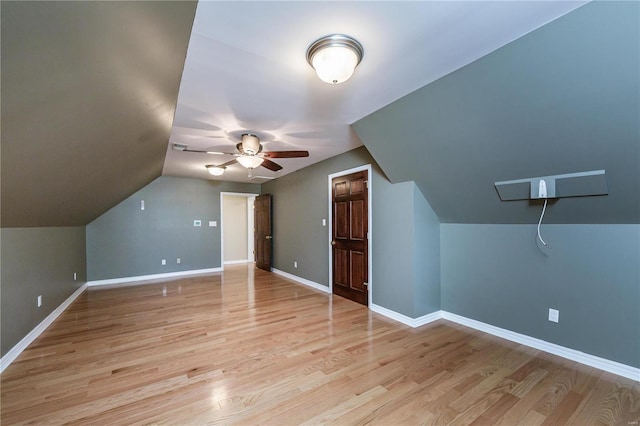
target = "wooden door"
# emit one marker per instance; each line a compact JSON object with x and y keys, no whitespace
{"x":263,"y":236}
{"x":350,"y":236}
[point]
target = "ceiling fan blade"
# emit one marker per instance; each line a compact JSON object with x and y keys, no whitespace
{"x":268,"y":164}
{"x":285,"y":154}
{"x":228,"y":163}
{"x":207,"y":152}
{"x":220,"y":153}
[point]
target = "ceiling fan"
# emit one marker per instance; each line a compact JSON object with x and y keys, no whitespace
{"x":249,"y":155}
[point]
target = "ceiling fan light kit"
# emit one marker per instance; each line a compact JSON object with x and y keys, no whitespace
{"x":335,"y":57}
{"x":250,"y":161}
{"x":215,"y":170}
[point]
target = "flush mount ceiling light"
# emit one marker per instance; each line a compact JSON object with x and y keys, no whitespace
{"x":215,"y":170}
{"x":335,"y":57}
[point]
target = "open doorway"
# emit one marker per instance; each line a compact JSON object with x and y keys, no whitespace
{"x":236,"y":227}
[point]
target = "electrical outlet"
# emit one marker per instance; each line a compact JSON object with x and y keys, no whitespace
{"x":197,"y":222}
{"x":164,"y":261}
{"x":295,"y":265}
{"x":178,"y":260}
{"x":554,"y":315}
{"x":324,"y":222}
{"x":39,"y":301}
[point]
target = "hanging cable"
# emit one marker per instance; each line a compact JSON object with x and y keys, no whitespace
{"x":540,"y":222}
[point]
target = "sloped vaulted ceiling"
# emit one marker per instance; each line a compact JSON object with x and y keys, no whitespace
{"x":89,"y":91}
{"x":562,"y":99}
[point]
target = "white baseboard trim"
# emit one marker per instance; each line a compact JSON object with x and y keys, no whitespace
{"x":309,"y":283}
{"x":570,"y":354}
{"x":614,"y":367}
{"x":152,"y":277}
{"x":13,"y":353}
{"x":411,"y":322}
{"x":235,"y":262}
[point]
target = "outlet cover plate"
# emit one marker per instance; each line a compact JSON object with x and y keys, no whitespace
{"x":554,"y":315}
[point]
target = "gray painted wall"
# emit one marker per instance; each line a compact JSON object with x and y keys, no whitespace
{"x":393,"y":245}
{"x":427,"y":256}
{"x":300,"y":202}
{"x":127,"y":241}
{"x":37,"y":261}
{"x":497,"y":274}
{"x":562,"y":99}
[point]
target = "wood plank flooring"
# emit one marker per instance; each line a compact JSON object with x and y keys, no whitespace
{"x":249,"y":347}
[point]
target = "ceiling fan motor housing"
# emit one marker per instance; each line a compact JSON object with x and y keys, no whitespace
{"x":250,"y":144}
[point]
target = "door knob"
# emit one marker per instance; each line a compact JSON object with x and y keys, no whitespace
{"x":268,"y":237}
{"x":333,"y":243}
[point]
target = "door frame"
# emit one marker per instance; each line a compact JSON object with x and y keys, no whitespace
{"x":249,"y":219}
{"x":366,"y":167}
{"x":251,"y":242}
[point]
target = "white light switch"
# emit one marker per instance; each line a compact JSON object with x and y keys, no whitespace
{"x":213,"y":223}
{"x":141,"y":204}
{"x":197,"y":222}
{"x":164,"y":261}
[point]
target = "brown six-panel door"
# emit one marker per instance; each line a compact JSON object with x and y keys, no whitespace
{"x":350,"y":236}
{"x":263,"y":236}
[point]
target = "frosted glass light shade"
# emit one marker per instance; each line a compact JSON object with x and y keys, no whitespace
{"x":335,"y":65}
{"x":250,"y":161}
{"x":215,"y":170}
{"x":335,"y":57}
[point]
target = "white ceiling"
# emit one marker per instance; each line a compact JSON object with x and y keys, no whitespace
{"x":246,"y":70}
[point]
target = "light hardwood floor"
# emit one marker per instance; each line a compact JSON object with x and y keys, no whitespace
{"x":249,"y":347}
